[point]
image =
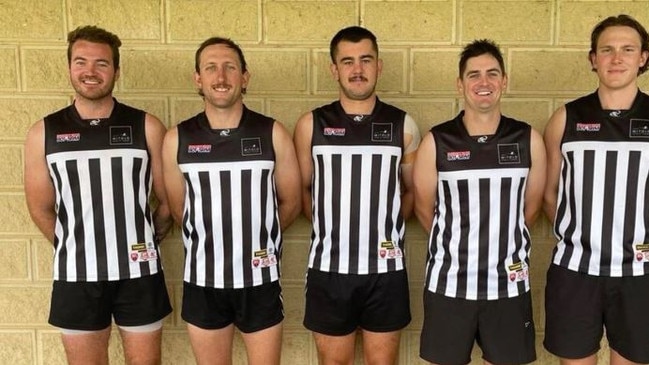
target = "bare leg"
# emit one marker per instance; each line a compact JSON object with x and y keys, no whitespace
{"x":381,"y":348}
{"x":264,"y":347}
{"x":590,"y":360}
{"x":90,"y":348}
{"x":212,"y":347}
{"x":617,"y":359}
{"x":142,"y":348}
{"x":335,"y":350}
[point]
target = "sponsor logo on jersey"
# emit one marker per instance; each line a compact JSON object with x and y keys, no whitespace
{"x":588,"y":127}
{"x":121,"y":135}
{"x":68,"y":137}
{"x":381,"y":132}
{"x":250,"y":146}
{"x":615,"y":113}
{"x":199,"y":148}
{"x":639,"y":128}
{"x":508,"y":153}
{"x":338,"y":132}
{"x":458,"y":156}
{"x":482,"y":139}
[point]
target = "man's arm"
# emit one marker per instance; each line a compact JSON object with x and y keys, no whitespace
{"x":411,"y":140}
{"x":535,"y":179}
{"x":173,"y":177}
{"x":553,"y":135}
{"x":287,"y":176}
{"x":155,"y":132}
{"x":424,"y":176}
{"x":39,"y":189}
{"x":302,"y":137}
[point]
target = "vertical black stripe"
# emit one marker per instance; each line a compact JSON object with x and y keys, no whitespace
{"x":318,"y":191}
{"x":630,"y":210}
{"x":483,"y":236}
{"x":96,"y":192}
{"x":226,"y":214}
{"x":463,"y":248}
{"x":79,"y":229}
{"x":140,"y":221}
{"x":608,"y":205}
{"x":267,"y":178}
{"x":569,"y":195}
{"x":503,"y":236}
{"x":375,"y":186}
{"x":62,"y":216}
{"x":123,"y":246}
{"x":334,"y":254}
{"x":189,"y":229}
{"x":442,"y":282}
{"x":389,"y":224}
{"x":518,"y":239}
{"x":246,"y":226}
{"x":206,"y":208}
{"x":355,"y":210}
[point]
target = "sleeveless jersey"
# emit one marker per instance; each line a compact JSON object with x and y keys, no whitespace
{"x":102,"y":177}
{"x":602,"y":216}
{"x":230,"y":223}
{"x":479,"y":243}
{"x":357,"y":222}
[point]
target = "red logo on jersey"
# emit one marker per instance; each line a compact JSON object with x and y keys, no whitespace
{"x":458,"y":155}
{"x":68,"y":137}
{"x":199,"y":148}
{"x":334,"y":132}
{"x":134,"y":256}
{"x":588,"y":127}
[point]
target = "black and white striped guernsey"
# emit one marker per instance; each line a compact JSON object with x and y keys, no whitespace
{"x":102,"y":177}
{"x":479,"y":244}
{"x":602,"y":216}
{"x":357,"y":222}
{"x":230,"y":223}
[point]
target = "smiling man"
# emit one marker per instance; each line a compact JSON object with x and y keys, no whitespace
{"x":89,"y":169}
{"x":478,"y":182}
{"x":598,"y":179}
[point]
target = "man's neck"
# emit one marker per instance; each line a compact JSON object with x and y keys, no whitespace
{"x":481,"y":123}
{"x":362,"y":107}
{"x":617,"y":99}
{"x":92,"y":109}
{"x":224,"y":118}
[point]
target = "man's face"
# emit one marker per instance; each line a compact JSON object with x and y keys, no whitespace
{"x":92,"y":72}
{"x":618,"y":57}
{"x":356,"y":69}
{"x":482,"y":83}
{"x":220,"y":77}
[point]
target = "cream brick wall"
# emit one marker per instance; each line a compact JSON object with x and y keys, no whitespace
{"x":545,"y":43}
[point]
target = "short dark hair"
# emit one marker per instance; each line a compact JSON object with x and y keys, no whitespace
{"x":478,"y":48}
{"x":352,"y":34}
{"x":621,"y":20}
{"x":220,"y":40}
{"x":95,"y":34}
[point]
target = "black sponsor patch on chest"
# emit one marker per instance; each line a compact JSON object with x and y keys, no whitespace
{"x":121,"y":135}
{"x":639,"y":128}
{"x":381,"y":132}
{"x":509,"y":153}
{"x":250,"y":146}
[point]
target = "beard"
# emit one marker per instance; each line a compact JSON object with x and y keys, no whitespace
{"x":98,"y":92}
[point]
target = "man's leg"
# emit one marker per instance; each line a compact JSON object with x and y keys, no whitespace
{"x":86,"y":347}
{"x":335,"y":350}
{"x":264,"y":347}
{"x":381,"y":348}
{"x":212,"y":347}
{"x":142,"y":344}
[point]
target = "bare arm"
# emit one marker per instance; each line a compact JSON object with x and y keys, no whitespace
{"x":535,"y":179}
{"x":155,"y":132}
{"x":287,"y":176}
{"x":39,"y":189}
{"x":173,"y":177}
{"x":302,"y":137}
{"x":411,"y":140}
{"x":424,"y":175}
{"x":553,"y":135}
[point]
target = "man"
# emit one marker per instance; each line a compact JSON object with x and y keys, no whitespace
{"x":478,"y":182}
{"x":355,"y":156}
{"x":598,"y":153}
{"x":232,"y":179}
{"x":89,"y":169}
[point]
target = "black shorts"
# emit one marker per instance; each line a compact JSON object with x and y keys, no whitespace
{"x":503,"y":328}
{"x":337,"y":304}
{"x":579,"y":306}
{"x":250,"y":309}
{"x":89,"y":306}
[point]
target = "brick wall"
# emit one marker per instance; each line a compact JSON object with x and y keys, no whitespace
{"x":286,"y":44}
